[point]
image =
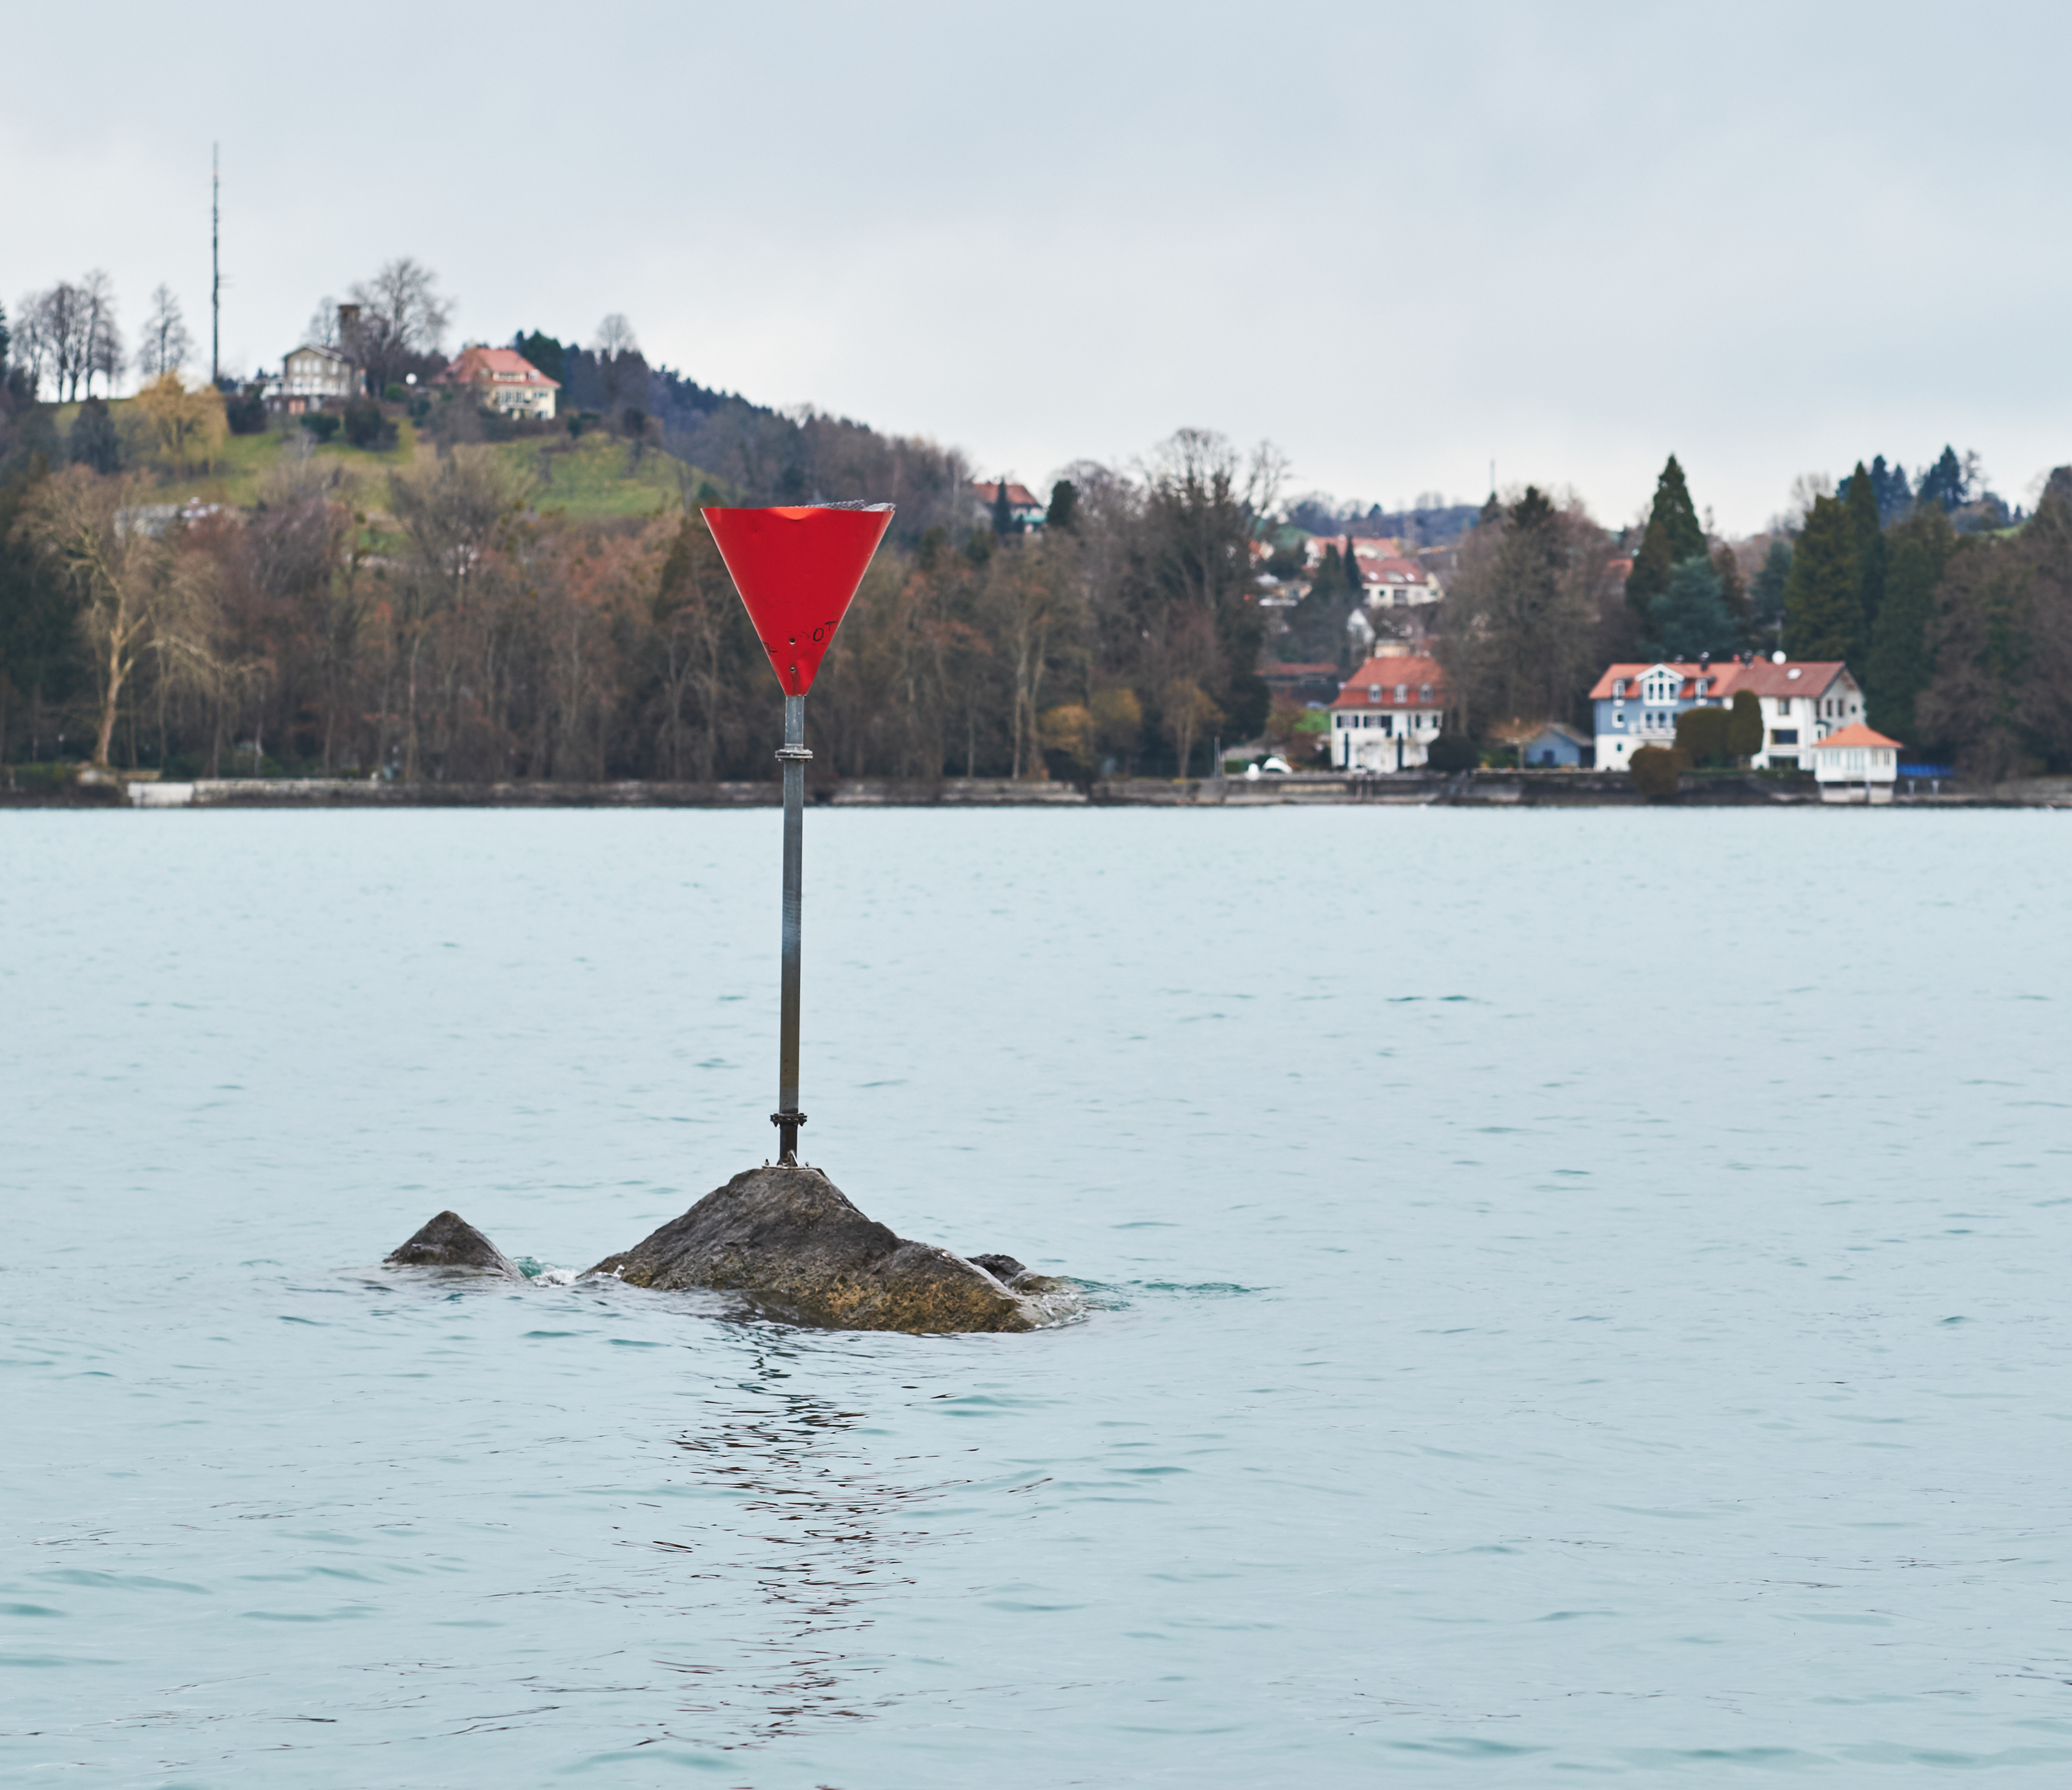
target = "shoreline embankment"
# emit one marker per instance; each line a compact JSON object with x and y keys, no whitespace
{"x":1404,"y":789}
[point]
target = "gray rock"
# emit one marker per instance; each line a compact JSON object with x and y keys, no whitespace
{"x":1003,"y":1269}
{"x":449,"y":1241}
{"x":788,"y":1238}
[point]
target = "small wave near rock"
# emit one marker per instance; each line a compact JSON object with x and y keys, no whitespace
{"x":792,"y":1243}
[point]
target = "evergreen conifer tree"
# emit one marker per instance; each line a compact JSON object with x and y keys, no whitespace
{"x":1895,"y":496}
{"x":1691,"y":616}
{"x":1003,"y":512}
{"x":1823,"y":617}
{"x":1900,"y":662}
{"x":1766,"y":594}
{"x":1944,"y":483}
{"x":1733,"y":590}
{"x":92,"y":441}
{"x":1350,"y":566}
{"x":1673,"y":536}
{"x":1863,"y":505}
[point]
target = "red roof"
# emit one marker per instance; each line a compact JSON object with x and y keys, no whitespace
{"x":1856,"y":733}
{"x":1019,"y":497}
{"x":1728,"y":677}
{"x":480,"y":366}
{"x":1383,"y":571}
{"x":1383,"y":674}
{"x":1797,"y":677}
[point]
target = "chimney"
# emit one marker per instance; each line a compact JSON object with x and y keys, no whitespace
{"x":348,"y":322}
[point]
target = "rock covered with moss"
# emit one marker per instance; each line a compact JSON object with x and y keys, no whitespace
{"x":789,"y":1239}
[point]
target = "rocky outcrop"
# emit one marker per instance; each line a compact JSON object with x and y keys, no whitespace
{"x":789,"y":1239}
{"x":449,"y":1241}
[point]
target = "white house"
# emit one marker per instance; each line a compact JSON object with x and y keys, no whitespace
{"x":1389,"y":581}
{"x":1802,"y":703}
{"x":1854,"y":764}
{"x":313,"y":375}
{"x":1388,"y":712}
{"x":1389,"y":578}
{"x":1024,"y":507}
{"x":502,"y":379}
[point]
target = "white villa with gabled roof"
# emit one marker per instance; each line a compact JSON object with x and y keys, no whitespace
{"x":1802,"y":702}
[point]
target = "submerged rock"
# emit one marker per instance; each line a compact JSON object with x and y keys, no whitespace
{"x":449,"y":1241}
{"x":788,"y":1237}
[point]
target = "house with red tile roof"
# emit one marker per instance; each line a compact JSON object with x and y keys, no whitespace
{"x":1388,"y":712}
{"x":1027,"y":509}
{"x":1801,"y":702}
{"x":502,"y":379}
{"x":1389,"y":579}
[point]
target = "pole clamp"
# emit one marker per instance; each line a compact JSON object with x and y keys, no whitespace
{"x":793,"y":754}
{"x":790,"y":1116}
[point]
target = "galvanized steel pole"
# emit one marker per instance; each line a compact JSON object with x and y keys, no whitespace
{"x":793,"y":755}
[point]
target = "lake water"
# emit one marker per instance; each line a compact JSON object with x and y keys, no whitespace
{"x":1577,"y":1295}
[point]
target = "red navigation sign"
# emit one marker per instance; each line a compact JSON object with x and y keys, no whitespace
{"x":796,"y":568}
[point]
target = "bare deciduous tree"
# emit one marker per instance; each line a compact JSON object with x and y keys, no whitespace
{"x":101,"y":345}
{"x":125,"y":579}
{"x":401,"y":317}
{"x":165,"y":344}
{"x":452,"y":511}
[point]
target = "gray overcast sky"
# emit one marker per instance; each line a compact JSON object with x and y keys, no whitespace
{"x":1399,"y":242}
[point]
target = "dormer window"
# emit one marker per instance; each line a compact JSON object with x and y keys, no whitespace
{"x":1618,"y":688}
{"x":1374,"y":692}
{"x":1403,"y":693}
{"x":1424,"y":692}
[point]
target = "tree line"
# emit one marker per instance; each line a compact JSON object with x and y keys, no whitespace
{"x":1953,"y":612}
{"x":442,"y":625}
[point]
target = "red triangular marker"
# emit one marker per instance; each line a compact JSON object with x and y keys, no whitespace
{"x":796,"y":568}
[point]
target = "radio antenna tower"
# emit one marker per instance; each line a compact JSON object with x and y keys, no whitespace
{"x":215,"y":266}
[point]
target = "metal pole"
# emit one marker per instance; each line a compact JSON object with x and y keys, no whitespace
{"x":792,"y":755}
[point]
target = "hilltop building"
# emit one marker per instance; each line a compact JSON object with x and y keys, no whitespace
{"x":313,"y":376}
{"x":318,"y":373}
{"x":502,"y":379}
{"x":1635,"y":705}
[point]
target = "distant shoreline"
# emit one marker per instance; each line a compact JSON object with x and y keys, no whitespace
{"x":1406,"y":789}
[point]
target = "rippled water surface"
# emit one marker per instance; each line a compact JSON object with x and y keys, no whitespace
{"x":1577,"y":1296}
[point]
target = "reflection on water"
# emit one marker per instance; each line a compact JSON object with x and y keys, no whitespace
{"x":814,"y":1530}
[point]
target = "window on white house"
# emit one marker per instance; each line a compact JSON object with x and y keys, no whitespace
{"x":1403,"y":693}
{"x":1374,"y":692}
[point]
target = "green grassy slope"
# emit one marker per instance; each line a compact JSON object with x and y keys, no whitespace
{"x":600,"y":476}
{"x":597,"y":478}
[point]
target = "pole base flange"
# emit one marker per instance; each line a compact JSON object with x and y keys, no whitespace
{"x":787,"y":1123}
